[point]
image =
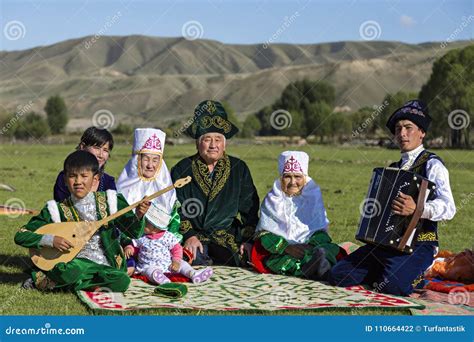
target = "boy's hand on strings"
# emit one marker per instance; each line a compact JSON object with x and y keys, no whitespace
{"x":142,"y":209}
{"x":403,"y":205}
{"x":61,"y":244}
{"x":128,"y":251}
{"x":297,"y":251}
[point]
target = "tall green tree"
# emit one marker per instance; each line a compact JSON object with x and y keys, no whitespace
{"x":295,"y":125}
{"x":308,"y":102}
{"x":57,"y":114}
{"x":251,"y":126}
{"x":317,"y":119}
{"x":450,"y":90}
{"x":264,"y":116}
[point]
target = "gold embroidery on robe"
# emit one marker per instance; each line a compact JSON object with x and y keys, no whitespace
{"x":224,"y":239}
{"x":65,"y":207}
{"x":202,"y":238}
{"x":101,"y":205}
{"x":221,"y":174}
{"x":185,"y":226}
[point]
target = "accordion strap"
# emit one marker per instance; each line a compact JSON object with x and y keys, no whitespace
{"x":420,"y":205}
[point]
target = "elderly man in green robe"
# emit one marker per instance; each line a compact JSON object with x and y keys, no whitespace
{"x":219,"y":210}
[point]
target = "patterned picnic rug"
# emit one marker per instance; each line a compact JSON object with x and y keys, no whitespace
{"x":232,"y":289}
{"x":457,"y":302}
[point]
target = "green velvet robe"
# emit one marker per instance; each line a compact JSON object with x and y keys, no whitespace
{"x":281,"y":263}
{"x":222,"y":208}
{"x":82,"y":273}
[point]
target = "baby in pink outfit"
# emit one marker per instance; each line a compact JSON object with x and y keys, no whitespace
{"x":159,"y":252}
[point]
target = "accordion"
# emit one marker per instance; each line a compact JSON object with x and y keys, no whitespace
{"x":378,"y":224}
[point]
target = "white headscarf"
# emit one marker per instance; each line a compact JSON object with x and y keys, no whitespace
{"x":134,"y":186}
{"x":295,"y":218}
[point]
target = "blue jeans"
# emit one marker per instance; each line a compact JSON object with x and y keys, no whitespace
{"x":388,"y":271}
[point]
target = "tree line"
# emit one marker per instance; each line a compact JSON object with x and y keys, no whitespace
{"x":449,"y":94}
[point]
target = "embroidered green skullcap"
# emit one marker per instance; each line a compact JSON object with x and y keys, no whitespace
{"x":171,"y":290}
{"x":211,"y":117}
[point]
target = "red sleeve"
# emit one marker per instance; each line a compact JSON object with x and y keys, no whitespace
{"x":177,"y":252}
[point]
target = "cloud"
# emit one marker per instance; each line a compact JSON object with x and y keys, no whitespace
{"x":407,"y":21}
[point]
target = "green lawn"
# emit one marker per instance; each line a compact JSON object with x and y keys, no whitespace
{"x":343,"y":174}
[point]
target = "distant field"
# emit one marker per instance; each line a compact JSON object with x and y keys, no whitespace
{"x":342,"y":173}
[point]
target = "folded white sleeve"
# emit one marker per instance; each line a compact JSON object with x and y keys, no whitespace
{"x":47,"y":240}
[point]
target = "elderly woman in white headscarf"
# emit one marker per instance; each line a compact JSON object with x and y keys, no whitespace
{"x":292,"y":232}
{"x":145,"y":174}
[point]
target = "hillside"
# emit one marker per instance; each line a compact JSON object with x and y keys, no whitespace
{"x":155,"y":79}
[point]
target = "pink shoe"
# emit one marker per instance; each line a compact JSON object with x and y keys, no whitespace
{"x":202,"y":275}
{"x":159,"y":278}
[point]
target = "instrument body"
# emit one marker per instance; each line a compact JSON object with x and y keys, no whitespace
{"x":378,"y":224}
{"x":79,"y":233}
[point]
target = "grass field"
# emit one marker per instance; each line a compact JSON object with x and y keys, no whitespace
{"x":342,"y":172}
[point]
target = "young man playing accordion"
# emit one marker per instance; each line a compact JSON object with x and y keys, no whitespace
{"x":391,"y":271}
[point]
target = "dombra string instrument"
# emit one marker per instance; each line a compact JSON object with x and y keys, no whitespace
{"x":79,"y":233}
{"x":378,"y":224}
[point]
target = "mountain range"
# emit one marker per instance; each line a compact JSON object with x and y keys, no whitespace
{"x":152,"y":80}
